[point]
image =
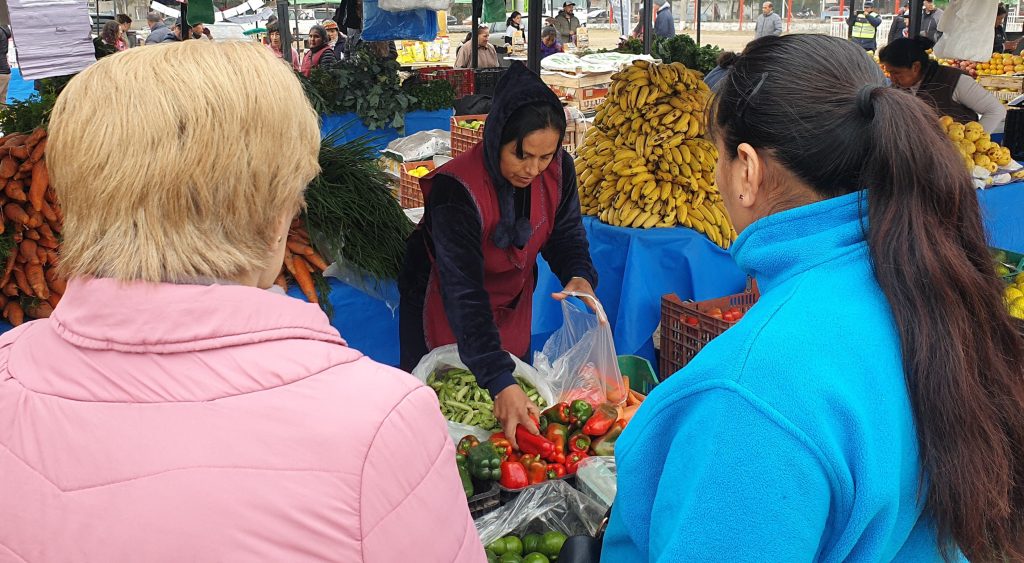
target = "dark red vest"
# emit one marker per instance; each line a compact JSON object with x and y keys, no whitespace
{"x":508,"y":272}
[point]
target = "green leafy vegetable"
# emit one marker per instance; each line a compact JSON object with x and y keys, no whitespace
{"x":431,"y":96}
{"x":683,"y":49}
{"x":364,"y":84}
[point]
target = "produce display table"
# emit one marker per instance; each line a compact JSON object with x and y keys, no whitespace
{"x":415,"y":121}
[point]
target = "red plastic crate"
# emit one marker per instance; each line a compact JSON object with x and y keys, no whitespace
{"x":410,"y":196}
{"x":686,"y":326}
{"x":464,"y":139}
{"x":463,"y":80}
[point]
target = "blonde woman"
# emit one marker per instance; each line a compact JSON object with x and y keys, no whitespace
{"x":172,"y":409}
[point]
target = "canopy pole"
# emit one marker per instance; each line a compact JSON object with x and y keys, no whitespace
{"x":286,"y":32}
{"x":698,"y":22}
{"x":533,"y":35}
{"x":645,"y":28}
{"x":916,"y":13}
{"x":474,"y":60}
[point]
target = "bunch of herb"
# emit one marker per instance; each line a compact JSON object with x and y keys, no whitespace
{"x":366,"y":85}
{"x":351,"y":215}
{"x":683,"y":49}
{"x":431,"y":96}
{"x":631,"y":46}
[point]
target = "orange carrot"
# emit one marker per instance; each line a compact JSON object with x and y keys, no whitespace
{"x":299,"y":249}
{"x":40,"y":310}
{"x":304,"y":279}
{"x":22,"y":281}
{"x":14,"y":140}
{"x":628,"y":412}
{"x":24,"y":169}
{"x":34,"y":274}
{"x":58,"y":285}
{"x":28,"y":250}
{"x":36,"y":137}
{"x":281,"y":281}
{"x":8,"y":268}
{"x":35,"y":220}
{"x":20,"y":152}
{"x":38,"y":151}
{"x":50,"y":213}
{"x":625,"y":382}
{"x":37,"y":189}
{"x":51,"y":257}
{"x":11,"y":289}
{"x":8,"y":167}
{"x":317,"y":261}
{"x":15,"y":191}
{"x":14,"y":314}
{"x":44,"y":258}
{"x":54,"y":299}
{"x":16,"y":213}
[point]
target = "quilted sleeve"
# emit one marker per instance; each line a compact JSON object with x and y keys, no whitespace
{"x":412,"y":506}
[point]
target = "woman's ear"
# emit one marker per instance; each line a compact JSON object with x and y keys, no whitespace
{"x":749,"y":171}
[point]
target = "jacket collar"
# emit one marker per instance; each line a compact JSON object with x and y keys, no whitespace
{"x":780,"y":246}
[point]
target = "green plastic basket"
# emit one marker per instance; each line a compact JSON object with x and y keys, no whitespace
{"x":1013,"y":261}
{"x":640,"y":373}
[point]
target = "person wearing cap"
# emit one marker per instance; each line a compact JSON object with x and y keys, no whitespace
{"x":335,"y":39}
{"x":566,"y":23}
{"x":664,"y":24}
{"x":865,"y":26}
{"x":768,"y":22}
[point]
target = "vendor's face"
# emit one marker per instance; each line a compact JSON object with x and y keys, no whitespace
{"x":483,"y":37}
{"x":315,"y":39}
{"x":904,"y":77}
{"x":275,"y":39}
{"x":539,"y":147}
{"x":548,"y":40}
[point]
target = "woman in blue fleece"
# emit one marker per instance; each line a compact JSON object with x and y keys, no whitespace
{"x":804,"y":433}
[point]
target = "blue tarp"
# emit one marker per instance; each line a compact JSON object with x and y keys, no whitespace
{"x":19,"y":89}
{"x":415,"y":121}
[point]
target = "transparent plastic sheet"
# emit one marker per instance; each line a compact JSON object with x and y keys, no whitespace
{"x":579,"y":359}
{"x":380,"y":25}
{"x":596,"y":477}
{"x":406,"y":5}
{"x":421,"y":146}
{"x":550,"y":506}
{"x":354,"y":276}
{"x":447,"y":357}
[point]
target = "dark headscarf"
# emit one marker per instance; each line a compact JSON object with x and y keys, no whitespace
{"x":324,"y":40}
{"x":517,"y":88}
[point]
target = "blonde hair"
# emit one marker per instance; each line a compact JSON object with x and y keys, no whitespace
{"x":177,"y":162}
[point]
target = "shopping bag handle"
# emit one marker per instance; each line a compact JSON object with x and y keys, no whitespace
{"x":601,"y":316}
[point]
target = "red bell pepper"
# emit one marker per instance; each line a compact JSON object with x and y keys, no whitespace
{"x":466,"y":443}
{"x":533,"y":444}
{"x":579,"y":443}
{"x":601,"y":421}
{"x":556,"y":471}
{"x":573,"y":461}
{"x":558,"y":434}
{"x":605,"y":445}
{"x":501,"y":443}
{"x":513,"y":475}
{"x":557,"y":413}
{"x":536,"y":471}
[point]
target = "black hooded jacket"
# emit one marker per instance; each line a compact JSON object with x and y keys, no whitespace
{"x":454,"y":238}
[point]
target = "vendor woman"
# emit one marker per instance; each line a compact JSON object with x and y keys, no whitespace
{"x":471,"y":265}
{"x":948,"y":90}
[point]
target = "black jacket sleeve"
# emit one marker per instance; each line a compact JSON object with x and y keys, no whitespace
{"x":455,"y":228}
{"x":567,"y":251}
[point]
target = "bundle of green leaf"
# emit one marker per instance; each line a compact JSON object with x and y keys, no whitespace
{"x":350,"y":212}
{"x":431,"y":96}
{"x":364,"y":84}
{"x":30,"y":114}
{"x":631,"y":46}
{"x":683,"y":49}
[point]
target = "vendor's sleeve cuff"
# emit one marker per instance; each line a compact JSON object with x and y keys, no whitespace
{"x":500,"y":383}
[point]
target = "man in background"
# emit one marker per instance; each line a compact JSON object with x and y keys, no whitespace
{"x":768,"y":22}
{"x":566,"y":23}
{"x":930,"y":21}
{"x":664,"y":25}
{"x":158,"y":30}
{"x":865,"y":26}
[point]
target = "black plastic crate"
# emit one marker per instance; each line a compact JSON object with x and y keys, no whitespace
{"x":487,"y":80}
{"x":482,"y":503}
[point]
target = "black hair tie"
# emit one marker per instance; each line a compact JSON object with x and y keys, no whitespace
{"x":864,"y":104}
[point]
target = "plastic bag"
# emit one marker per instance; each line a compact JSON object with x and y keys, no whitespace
{"x":448,"y":357}
{"x":596,"y":477}
{"x":379,"y":25}
{"x":406,"y":5}
{"x":549,"y":506}
{"x":421,"y":146}
{"x":579,"y":359}
{"x":967,"y":31}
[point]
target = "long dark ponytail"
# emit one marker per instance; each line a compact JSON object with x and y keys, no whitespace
{"x":831,"y":122}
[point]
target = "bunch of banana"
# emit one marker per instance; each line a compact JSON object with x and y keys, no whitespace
{"x":645,"y":162}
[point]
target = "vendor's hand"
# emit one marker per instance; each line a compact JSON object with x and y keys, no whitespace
{"x":578,"y":285}
{"x":512,"y":407}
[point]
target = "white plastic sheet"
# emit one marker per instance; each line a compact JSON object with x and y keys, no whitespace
{"x":967,"y":30}
{"x":51,"y":37}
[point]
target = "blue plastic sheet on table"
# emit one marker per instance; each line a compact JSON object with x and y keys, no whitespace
{"x":1002,"y":208}
{"x":380,"y":25}
{"x":19,"y":89}
{"x":415,"y":121}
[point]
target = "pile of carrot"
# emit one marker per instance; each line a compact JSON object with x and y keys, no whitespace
{"x":633,"y":402}
{"x":301,"y":261}
{"x":30,"y":286}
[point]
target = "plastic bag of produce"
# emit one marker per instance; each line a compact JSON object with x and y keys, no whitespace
{"x":468,"y":408}
{"x":597,"y":478}
{"x":380,"y":25}
{"x":553,"y":506}
{"x":423,"y":145}
{"x":579,"y":360}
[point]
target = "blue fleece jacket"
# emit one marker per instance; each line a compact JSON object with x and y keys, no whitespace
{"x":790,"y":437}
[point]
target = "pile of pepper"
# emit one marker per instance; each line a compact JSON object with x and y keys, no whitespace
{"x":570,"y":432}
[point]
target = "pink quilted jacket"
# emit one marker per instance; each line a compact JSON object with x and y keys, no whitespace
{"x":156,"y":422}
